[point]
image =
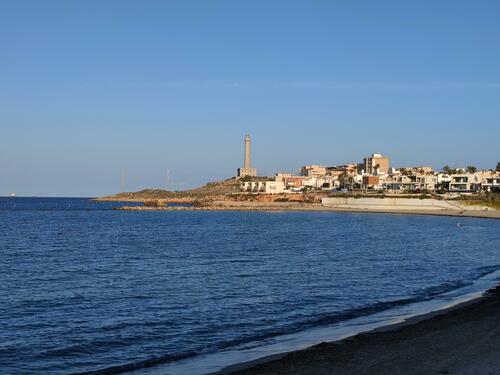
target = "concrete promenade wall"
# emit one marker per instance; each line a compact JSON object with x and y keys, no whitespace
{"x":392,"y":204}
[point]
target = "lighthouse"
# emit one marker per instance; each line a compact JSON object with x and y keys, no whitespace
{"x":247,"y":170}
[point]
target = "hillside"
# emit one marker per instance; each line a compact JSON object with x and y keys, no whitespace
{"x":216,"y":188}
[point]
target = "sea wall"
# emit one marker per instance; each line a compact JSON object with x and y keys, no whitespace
{"x":396,"y":204}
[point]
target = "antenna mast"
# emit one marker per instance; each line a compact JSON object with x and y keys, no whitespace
{"x":122,"y":181}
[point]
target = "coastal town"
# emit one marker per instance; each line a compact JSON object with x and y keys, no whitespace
{"x":373,"y":174}
{"x":371,"y":185}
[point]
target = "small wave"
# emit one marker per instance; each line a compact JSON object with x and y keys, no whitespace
{"x":483,"y":271}
{"x":318,"y":321}
{"x":139,"y":365}
{"x":258,"y":339}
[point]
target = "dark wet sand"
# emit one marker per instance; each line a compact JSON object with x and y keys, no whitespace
{"x":461,"y":340}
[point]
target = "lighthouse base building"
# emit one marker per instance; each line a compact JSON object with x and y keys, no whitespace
{"x":243,"y":172}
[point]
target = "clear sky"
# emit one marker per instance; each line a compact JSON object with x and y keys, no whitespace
{"x":91,"y":88}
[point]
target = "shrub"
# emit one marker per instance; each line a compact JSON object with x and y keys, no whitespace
{"x":282,"y":199}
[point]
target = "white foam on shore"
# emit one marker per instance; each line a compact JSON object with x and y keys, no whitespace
{"x":258,"y":351}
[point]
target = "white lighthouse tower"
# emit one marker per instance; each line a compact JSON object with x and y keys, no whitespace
{"x":247,"y":170}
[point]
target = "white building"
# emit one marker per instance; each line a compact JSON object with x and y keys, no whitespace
{"x":491,"y":183}
{"x":465,"y":182}
{"x":274,"y":187}
{"x":268,"y":187}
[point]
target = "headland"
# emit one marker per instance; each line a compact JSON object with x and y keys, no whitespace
{"x":227,"y":196}
{"x":370,"y":186}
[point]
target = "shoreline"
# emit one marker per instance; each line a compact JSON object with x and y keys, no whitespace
{"x":249,"y":360}
{"x":388,"y":349}
{"x":485,"y":214}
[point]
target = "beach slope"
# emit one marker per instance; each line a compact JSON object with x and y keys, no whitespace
{"x":462,"y":340}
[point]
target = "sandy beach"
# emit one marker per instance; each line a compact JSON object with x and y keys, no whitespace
{"x":462,"y":340}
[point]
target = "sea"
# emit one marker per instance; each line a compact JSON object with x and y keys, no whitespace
{"x":85,"y":289}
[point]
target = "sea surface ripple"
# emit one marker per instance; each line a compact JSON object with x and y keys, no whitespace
{"x":85,"y":289}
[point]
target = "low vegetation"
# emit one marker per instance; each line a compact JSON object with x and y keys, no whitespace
{"x":216,"y":188}
{"x":491,"y":200}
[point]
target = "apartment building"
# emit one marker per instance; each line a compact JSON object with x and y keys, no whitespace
{"x":465,"y":182}
{"x":376,"y":163}
{"x":339,"y":169}
{"x":313,"y":171}
{"x":413,"y":182}
{"x":491,"y":184}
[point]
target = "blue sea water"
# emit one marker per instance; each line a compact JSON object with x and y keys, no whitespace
{"x":84,"y":288}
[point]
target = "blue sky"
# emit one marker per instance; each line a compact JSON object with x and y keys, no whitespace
{"x":91,"y":88}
